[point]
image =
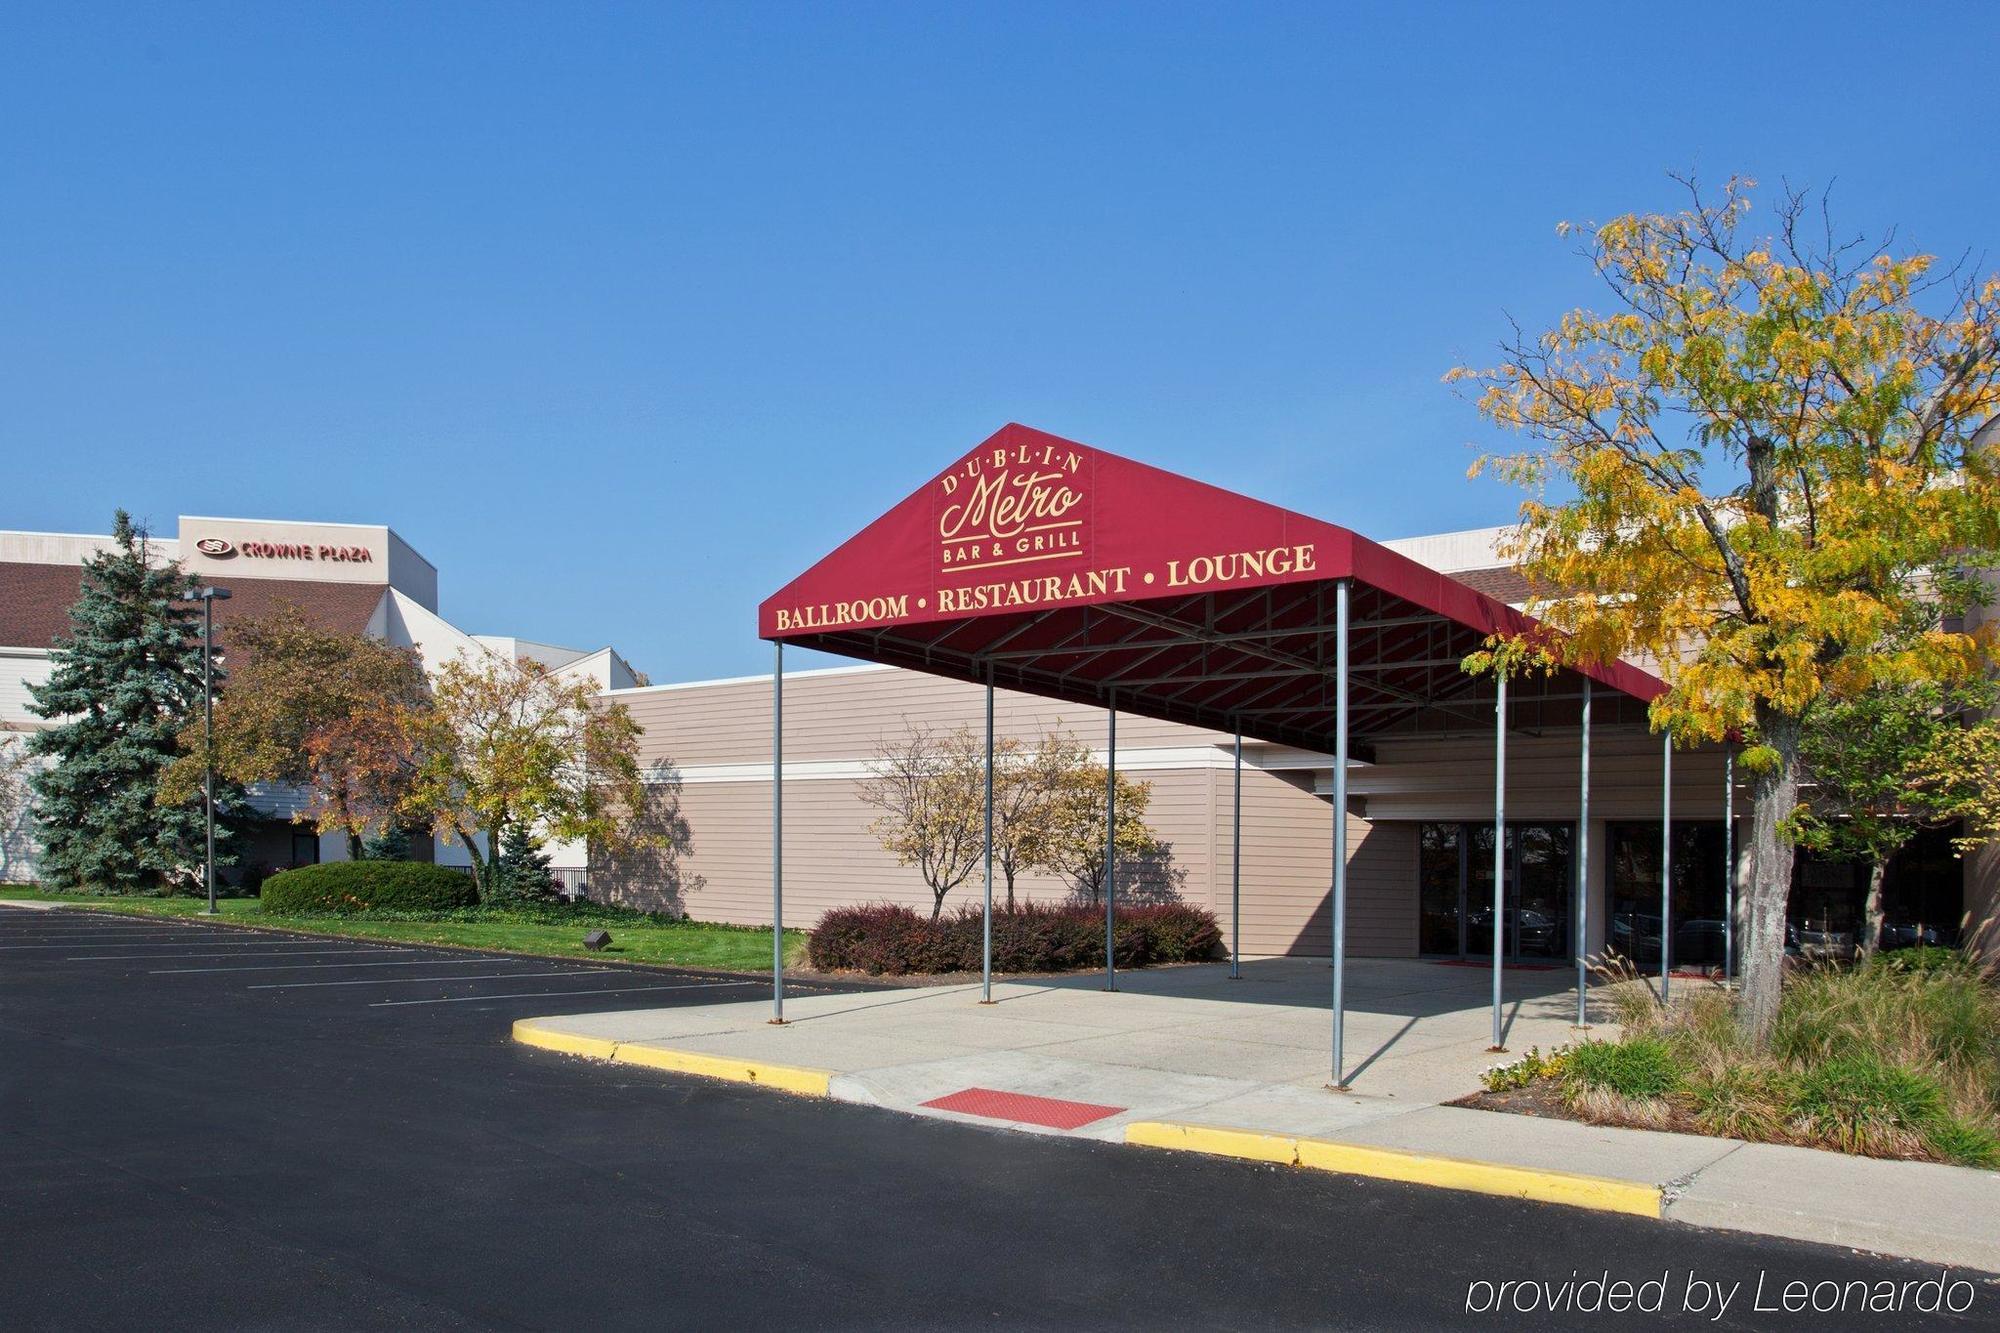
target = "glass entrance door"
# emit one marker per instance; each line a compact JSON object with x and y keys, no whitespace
{"x":1539,"y":896}
{"x":1456,"y":892}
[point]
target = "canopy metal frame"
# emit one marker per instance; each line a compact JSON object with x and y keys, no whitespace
{"x":1274,"y":664}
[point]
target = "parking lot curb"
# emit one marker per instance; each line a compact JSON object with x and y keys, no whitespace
{"x":567,"y":1043}
{"x":1600,"y":1193}
{"x":785,"y":1078}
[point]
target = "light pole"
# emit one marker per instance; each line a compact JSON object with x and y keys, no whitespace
{"x":209,"y":597}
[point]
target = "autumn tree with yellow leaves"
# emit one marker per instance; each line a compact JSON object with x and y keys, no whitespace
{"x":504,"y":743}
{"x":1757,"y":467}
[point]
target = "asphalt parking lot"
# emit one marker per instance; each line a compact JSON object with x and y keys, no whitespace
{"x":202,"y":1126}
{"x":376,"y":976}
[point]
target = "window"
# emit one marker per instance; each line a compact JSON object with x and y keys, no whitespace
{"x":1696,"y":902}
{"x":1455,"y":911}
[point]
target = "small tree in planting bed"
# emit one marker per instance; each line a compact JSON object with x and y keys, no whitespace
{"x":1960,"y":779}
{"x":1765,"y":459}
{"x":931,"y":790}
{"x":1072,"y":843}
{"x":1865,"y":758}
{"x":524,"y":873}
{"x":1048,"y":811}
{"x":1020,"y":807}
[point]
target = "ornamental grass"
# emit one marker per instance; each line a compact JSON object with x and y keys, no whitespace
{"x":1897,"y":1057}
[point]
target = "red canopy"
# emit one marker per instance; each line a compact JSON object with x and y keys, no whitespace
{"x":1070,"y":572}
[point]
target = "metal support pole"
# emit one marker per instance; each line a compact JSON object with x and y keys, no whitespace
{"x":1111,"y":845}
{"x":1499,"y":848}
{"x":778,"y":835}
{"x":1340,"y":599}
{"x":1583,"y":868}
{"x":1728,"y":861}
{"x":208,"y":738}
{"x":1666,"y":859}
{"x":986,"y":943}
{"x":1236,"y":871}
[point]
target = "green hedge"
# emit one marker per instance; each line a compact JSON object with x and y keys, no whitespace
{"x":342,"y":887}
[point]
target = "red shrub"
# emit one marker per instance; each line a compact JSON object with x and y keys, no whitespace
{"x":883,"y":939}
{"x":1178,"y":932}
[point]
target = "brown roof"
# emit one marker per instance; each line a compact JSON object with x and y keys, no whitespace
{"x":35,"y":601}
{"x":1500,"y":582}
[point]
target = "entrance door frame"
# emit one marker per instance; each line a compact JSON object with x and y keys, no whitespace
{"x":1511,"y":891}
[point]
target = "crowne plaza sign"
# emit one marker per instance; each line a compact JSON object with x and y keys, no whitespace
{"x":1029,"y":521}
{"x":299,"y":552}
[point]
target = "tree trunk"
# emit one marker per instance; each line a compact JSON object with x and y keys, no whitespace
{"x":1871,"y":909}
{"x":478,"y":877}
{"x":1008,"y":871}
{"x":1774,"y":794}
{"x":494,"y":869}
{"x":480,"y":865}
{"x":937,"y":901}
{"x":343,"y":808}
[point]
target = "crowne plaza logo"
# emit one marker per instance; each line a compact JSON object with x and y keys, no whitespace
{"x":1025,"y":505}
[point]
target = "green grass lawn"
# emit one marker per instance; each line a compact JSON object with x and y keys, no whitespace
{"x":634,"y":939}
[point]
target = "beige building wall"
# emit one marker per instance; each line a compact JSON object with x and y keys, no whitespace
{"x":1288,"y":871}
{"x":717,"y":735}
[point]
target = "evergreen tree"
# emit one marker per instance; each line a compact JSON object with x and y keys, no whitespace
{"x":125,"y":681}
{"x":391,"y":844}
{"x":523,"y":872}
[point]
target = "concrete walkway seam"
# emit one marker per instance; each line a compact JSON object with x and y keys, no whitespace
{"x":785,"y":1078}
{"x":1601,"y":1193}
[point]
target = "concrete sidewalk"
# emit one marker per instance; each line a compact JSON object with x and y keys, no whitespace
{"x":1184,"y":1058}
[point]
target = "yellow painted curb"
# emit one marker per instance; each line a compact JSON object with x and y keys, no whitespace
{"x":1457,"y":1173}
{"x":809,"y":1082}
{"x":1220,"y":1142}
{"x":786,"y":1078}
{"x":1515,"y":1182}
{"x":598,"y":1048}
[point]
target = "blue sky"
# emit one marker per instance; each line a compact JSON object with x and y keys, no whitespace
{"x":623,"y":315}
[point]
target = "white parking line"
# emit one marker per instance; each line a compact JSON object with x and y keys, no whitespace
{"x":253,"y":953}
{"x":133,"y":927}
{"x":308,"y":967}
{"x":60,"y":935}
{"x":192,"y":927}
{"x":133,"y":941}
{"x":550,"y":994}
{"x":165,"y":944}
{"x":101,"y":918}
{"x":406,"y":981}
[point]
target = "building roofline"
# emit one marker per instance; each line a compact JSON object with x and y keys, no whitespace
{"x":76,"y":536}
{"x":750,"y":680}
{"x":316,"y":523}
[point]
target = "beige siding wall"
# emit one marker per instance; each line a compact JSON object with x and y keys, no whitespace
{"x":842,"y":715}
{"x":718,"y":737}
{"x":1454,"y":779}
{"x":1288,"y":872}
